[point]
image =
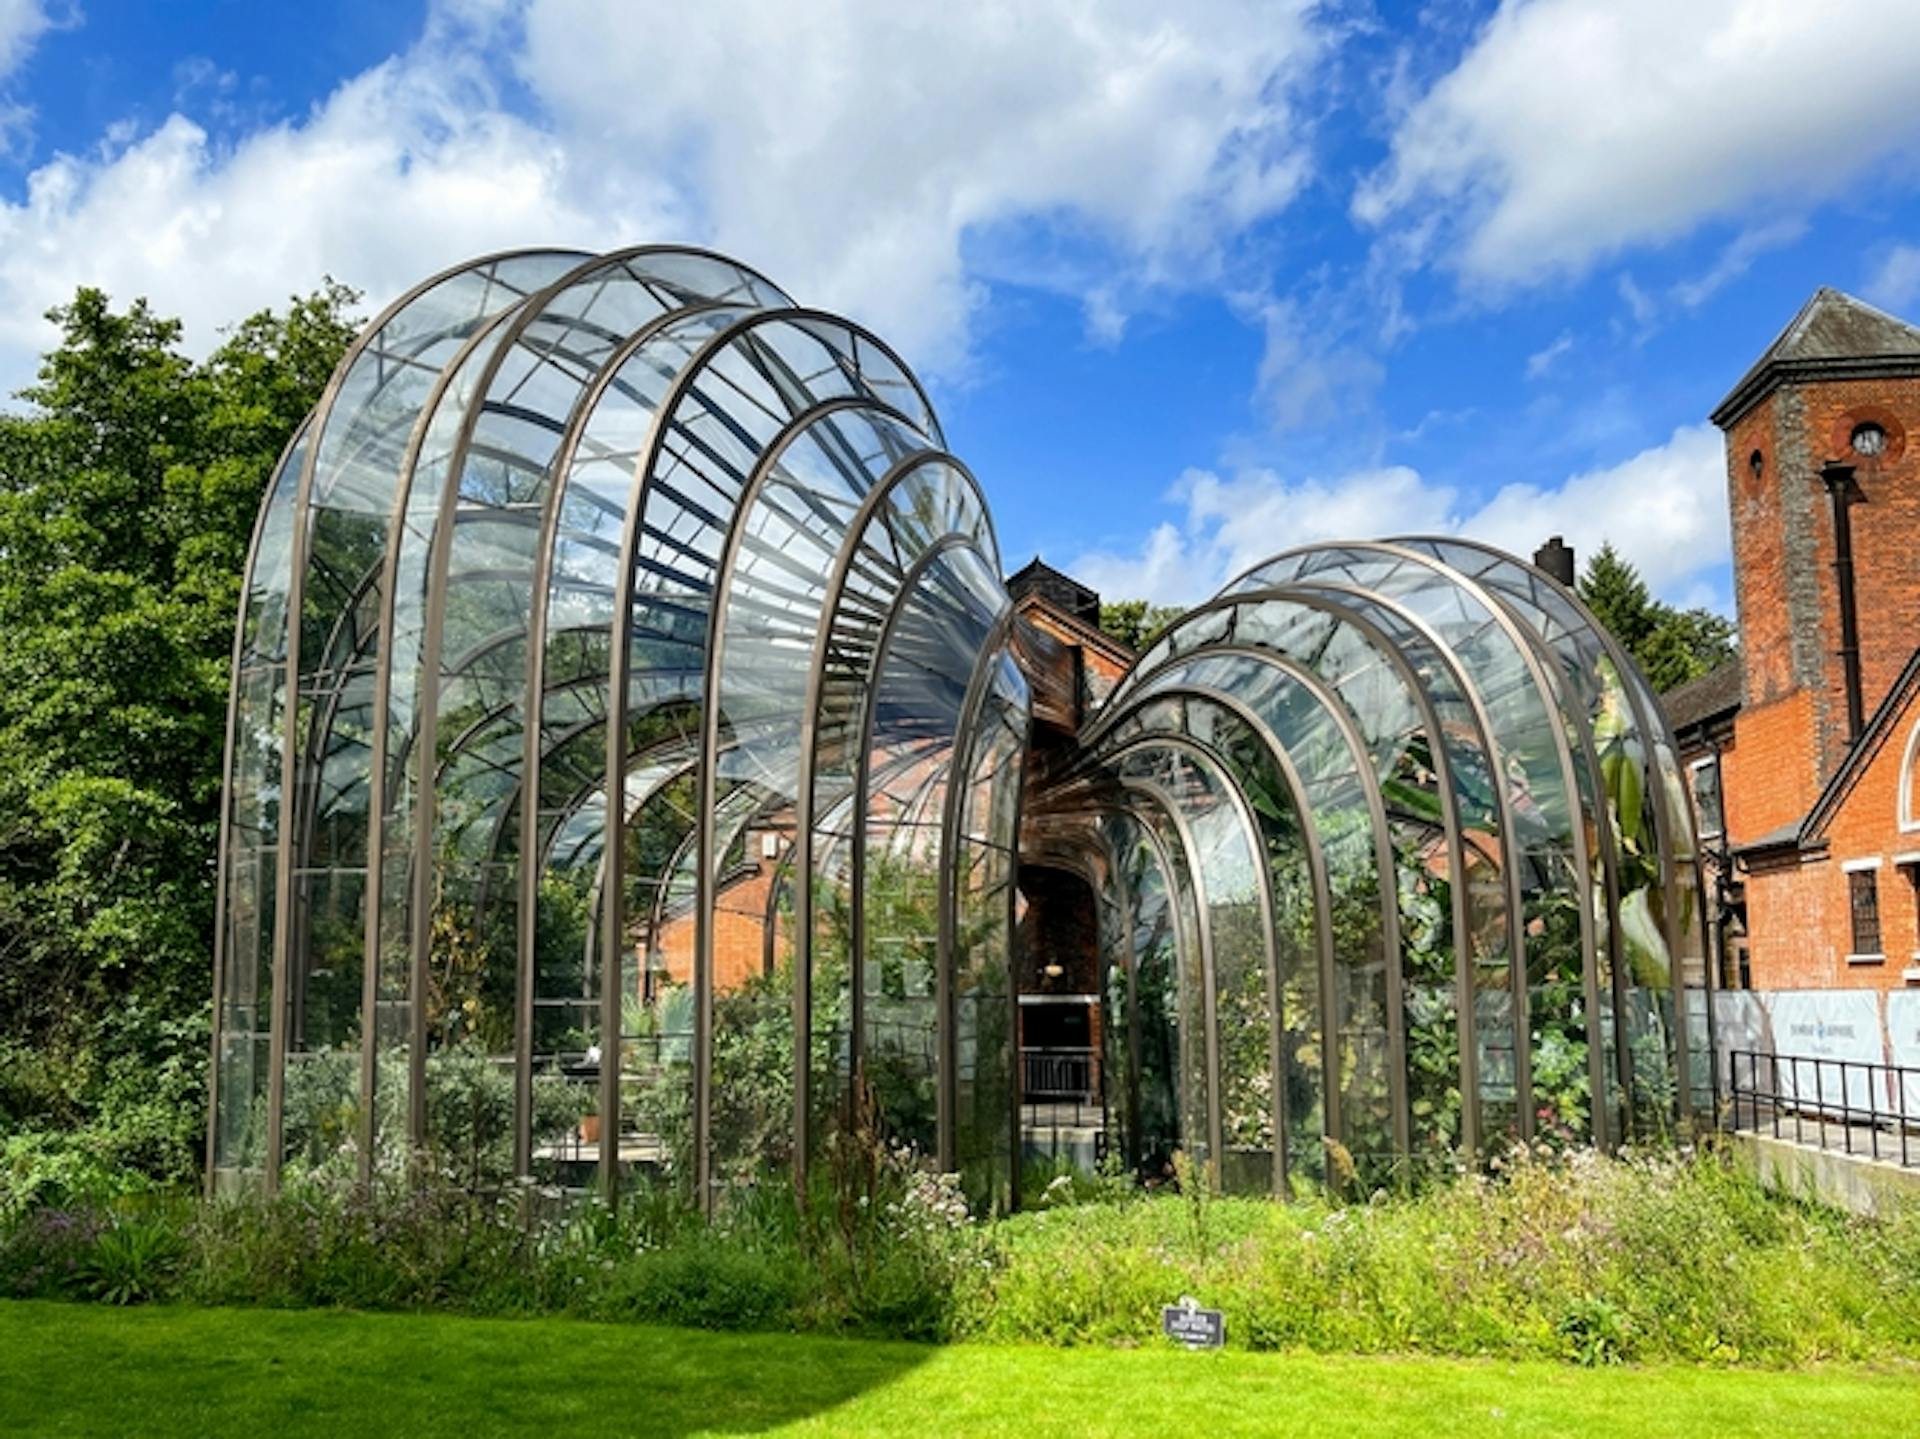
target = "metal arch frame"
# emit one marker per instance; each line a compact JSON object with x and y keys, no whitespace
{"x":862,"y":798}
{"x":1183,"y":921}
{"x":516,"y":321}
{"x":661,"y":422}
{"x":620,"y":636}
{"x":855,"y":543}
{"x":1090,"y":838}
{"x":1575,"y":719}
{"x":769,"y":464}
{"x":1342,"y":611}
{"x":1016,"y":1153}
{"x":1317,"y":881}
{"x":223,"y":842}
{"x":379,"y":762}
{"x":1387,"y":876}
{"x":1653,"y":727}
{"x":953,"y":802}
{"x":289,"y":759}
{"x":1650,"y":721}
{"x":1217,"y":765}
{"x":1332,"y":1108}
{"x":565,"y":462}
{"x":1519,"y":995}
{"x":1578,"y":622}
{"x":1209,"y":985}
{"x":1177,"y":918}
{"x":1549,"y":694}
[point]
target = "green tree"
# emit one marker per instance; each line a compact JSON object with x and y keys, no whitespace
{"x":1671,"y":646}
{"x":127,"y":495}
{"x":1136,"y":623}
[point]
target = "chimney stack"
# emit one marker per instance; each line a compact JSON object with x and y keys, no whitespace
{"x":1556,"y":558}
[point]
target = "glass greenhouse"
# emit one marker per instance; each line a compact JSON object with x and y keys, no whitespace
{"x":637,"y":765}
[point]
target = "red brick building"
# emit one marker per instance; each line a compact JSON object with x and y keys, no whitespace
{"x":1803,"y":752}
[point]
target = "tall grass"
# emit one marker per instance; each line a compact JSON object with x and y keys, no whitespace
{"x":1579,"y":1258}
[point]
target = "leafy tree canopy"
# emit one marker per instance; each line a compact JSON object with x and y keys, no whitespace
{"x":1672,"y":646}
{"x":1135,"y":623}
{"x":128,"y":488}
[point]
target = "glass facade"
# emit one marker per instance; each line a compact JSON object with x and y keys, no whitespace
{"x":632,"y":755}
{"x":1473,"y":849}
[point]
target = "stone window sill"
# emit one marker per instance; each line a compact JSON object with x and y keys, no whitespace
{"x":1866,"y":959}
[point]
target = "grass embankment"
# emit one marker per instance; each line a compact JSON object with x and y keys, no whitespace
{"x":1663,"y":1259}
{"x":82,"y":1370}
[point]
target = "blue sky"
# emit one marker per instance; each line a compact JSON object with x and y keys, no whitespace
{"x":1191,"y":283}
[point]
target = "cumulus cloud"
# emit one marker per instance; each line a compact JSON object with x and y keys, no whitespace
{"x":855,"y":150}
{"x":1571,"y":129}
{"x":1664,"y":509}
{"x":860,"y":150}
{"x":406,"y":168}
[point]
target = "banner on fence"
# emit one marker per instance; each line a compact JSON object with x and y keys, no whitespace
{"x":1903,"y":1043}
{"x":1811,"y":1025}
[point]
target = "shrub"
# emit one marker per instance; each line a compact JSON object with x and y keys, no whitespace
{"x":132,"y":1261}
{"x":1571,"y":1257}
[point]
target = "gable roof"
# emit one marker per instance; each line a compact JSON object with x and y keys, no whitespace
{"x":1715,"y":693}
{"x":1885,"y":722}
{"x":1061,"y":590}
{"x":1835,"y":336}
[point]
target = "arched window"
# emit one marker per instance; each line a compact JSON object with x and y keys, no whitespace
{"x":1910,"y":782}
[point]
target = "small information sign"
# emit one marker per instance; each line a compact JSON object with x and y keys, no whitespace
{"x":1187,"y":1323}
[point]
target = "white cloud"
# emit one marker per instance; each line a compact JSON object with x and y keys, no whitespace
{"x":1737,"y":258}
{"x":406,"y":168}
{"x":1895,"y":283}
{"x":1309,"y":375}
{"x":1572,"y":129}
{"x":1541,"y":362}
{"x":21,"y":23}
{"x":1664,"y":509}
{"x":855,"y":150}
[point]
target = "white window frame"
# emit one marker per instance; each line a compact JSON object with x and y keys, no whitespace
{"x":1909,"y":821}
{"x":1719,"y":786}
{"x":1849,"y":868}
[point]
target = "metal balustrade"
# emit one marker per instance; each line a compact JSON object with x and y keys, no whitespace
{"x":1857,"y":1107}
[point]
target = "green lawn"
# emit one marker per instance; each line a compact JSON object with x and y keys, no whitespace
{"x":74,"y":1369}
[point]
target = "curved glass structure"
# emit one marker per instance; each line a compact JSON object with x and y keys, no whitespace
{"x":633,"y":752}
{"x":1438,"y":869}
{"x":624,"y":755}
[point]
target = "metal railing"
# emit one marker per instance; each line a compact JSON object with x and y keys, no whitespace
{"x":1872,"y":1110}
{"x":1057,"y":1072}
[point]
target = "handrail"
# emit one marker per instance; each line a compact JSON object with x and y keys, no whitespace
{"x":1795,"y":1095}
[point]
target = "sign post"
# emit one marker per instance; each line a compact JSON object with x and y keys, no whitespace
{"x":1188,"y":1324}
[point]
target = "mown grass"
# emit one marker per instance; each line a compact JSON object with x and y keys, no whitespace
{"x":172,"y":1370}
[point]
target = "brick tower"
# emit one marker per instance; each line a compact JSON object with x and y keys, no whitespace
{"x":1838,"y":391}
{"x":1823,"y":483}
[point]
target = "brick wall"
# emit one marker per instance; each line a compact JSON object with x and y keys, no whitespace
{"x":1767,"y":775}
{"x":1783,"y":549}
{"x":739,"y":933}
{"x":1798,"y":915}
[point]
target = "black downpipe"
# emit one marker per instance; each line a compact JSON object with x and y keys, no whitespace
{"x":1841,"y":490}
